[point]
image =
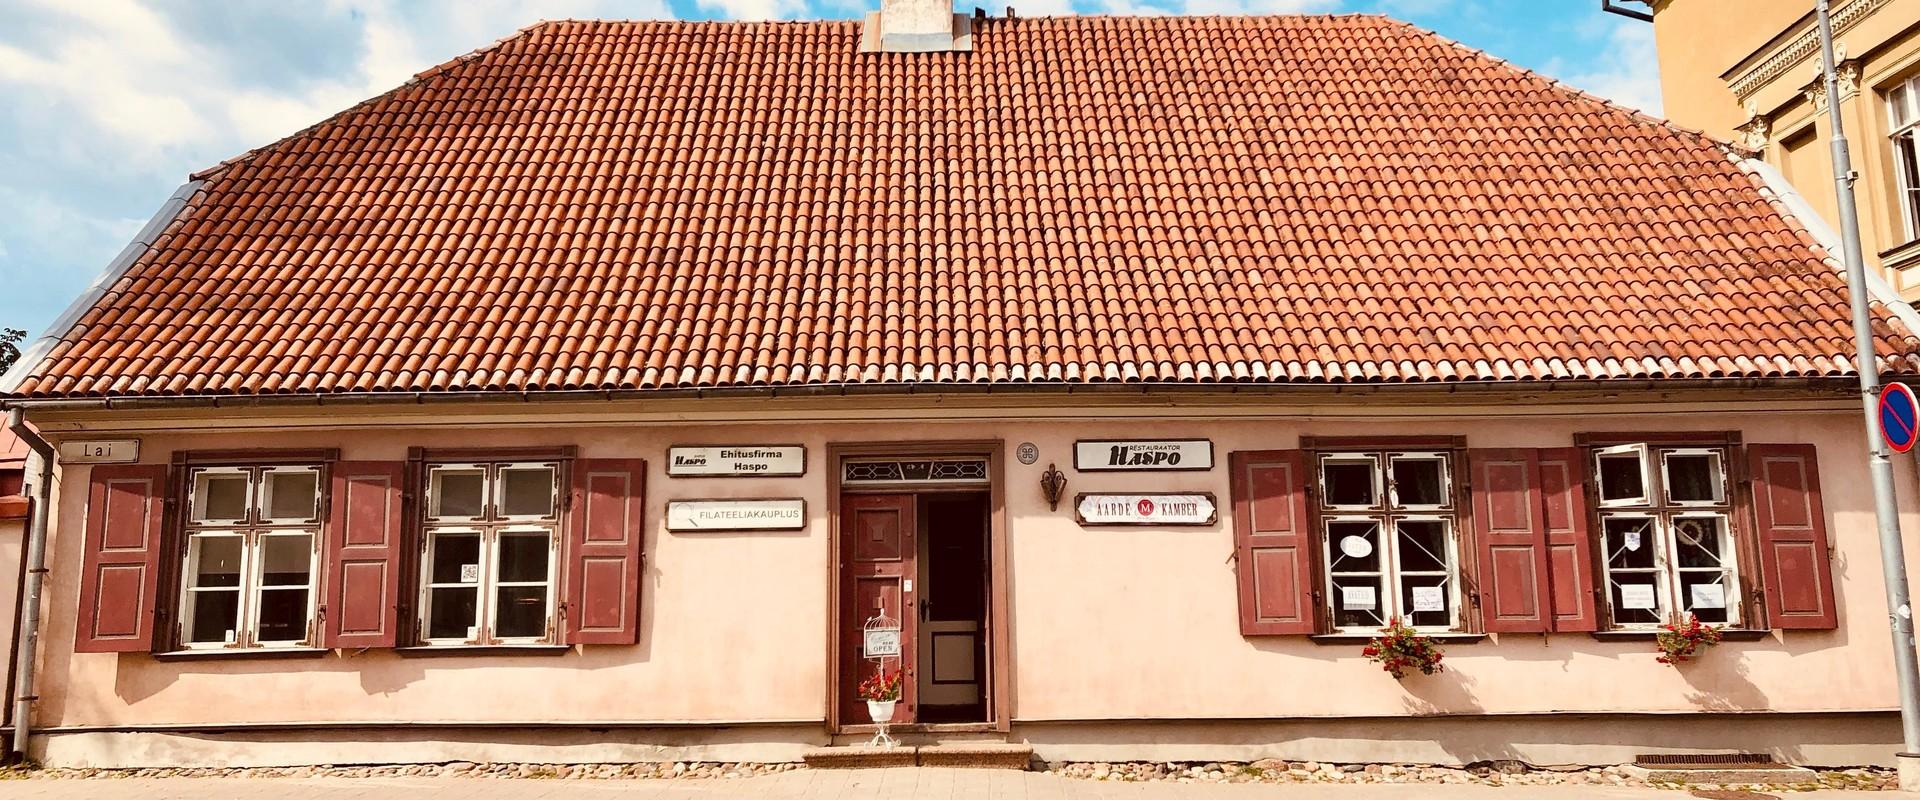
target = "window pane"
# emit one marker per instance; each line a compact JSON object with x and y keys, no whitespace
{"x":1897,"y":106}
{"x":1629,"y":542}
{"x":522,"y":612}
{"x":1419,"y":482}
{"x":1356,"y":601}
{"x":1697,"y":542}
{"x":458,"y":493}
{"x":455,"y":612}
{"x":291,"y":494}
{"x":1620,"y":477}
{"x":1422,"y":546}
{"x":1427,"y":600}
{"x":1353,"y":546}
{"x":527,"y":492}
{"x":215,"y":561}
{"x":219,"y":495}
{"x":1705,"y":594}
{"x":283,"y":615}
{"x":212,"y":616}
{"x":1636,"y":599}
{"x":1694,"y":478}
{"x":286,"y":559}
{"x":1348,"y":483}
{"x":456,"y":558}
{"x":523,"y":557}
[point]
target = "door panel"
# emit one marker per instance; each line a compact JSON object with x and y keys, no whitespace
{"x":877,"y":559}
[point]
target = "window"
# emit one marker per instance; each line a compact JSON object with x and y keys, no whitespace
{"x":1390,"y":538}
{"x":488,"y":554}
{"x":1903,"y":117}
{"x":252,"y":537}
{"x":1666,"y":534}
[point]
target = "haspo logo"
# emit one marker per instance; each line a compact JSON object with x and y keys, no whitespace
{"x":1127,"y":455}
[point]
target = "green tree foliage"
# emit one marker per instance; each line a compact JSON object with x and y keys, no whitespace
{"x":10,"y":339}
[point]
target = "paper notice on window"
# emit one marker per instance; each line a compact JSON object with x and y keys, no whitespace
{"x":1357,"y":598}
{"x":1633,"y":540}
{"x":1637,"y":595}
{"x":1429,"y":598}
{"x":1707,"y":595}
{"x":469,"y":573}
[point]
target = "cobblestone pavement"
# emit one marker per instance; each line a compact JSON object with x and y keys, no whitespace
{"x":893,"y":784}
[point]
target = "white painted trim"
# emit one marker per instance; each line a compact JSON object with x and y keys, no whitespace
{"x":34,"y":353}
{"x":1798,"y":208}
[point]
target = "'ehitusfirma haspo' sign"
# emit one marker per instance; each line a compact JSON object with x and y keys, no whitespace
{"x":757,"y":460}
{"x":1162,"y":454}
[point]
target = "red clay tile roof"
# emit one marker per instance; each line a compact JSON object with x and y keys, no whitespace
{"x":641,"y":205}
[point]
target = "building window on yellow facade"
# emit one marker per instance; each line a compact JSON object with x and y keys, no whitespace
{"x":1903,"y":114}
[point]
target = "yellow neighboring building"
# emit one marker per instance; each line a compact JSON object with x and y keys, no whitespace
{"x":1749,"y":71}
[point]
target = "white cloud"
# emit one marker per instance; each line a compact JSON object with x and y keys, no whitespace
{"x":1626,"y":71}
{"x":757,"y":9}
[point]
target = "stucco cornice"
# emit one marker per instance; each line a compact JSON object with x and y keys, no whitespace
{"x":1800,"y":47}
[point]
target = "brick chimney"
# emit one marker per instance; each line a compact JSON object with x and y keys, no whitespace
{"x":916,"y":26}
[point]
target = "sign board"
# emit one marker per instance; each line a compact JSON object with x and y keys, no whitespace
{"x":881,"y":642}
{"x":100,"y":451}
{"x":758,"y":460}
{"x":1899,"y":417}
{"x":737,"y":515}
{"x":1140,"y":456}
{"x":1192,"y":508}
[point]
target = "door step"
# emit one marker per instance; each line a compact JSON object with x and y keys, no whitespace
{"x":1717,"y":768}
{"x":988,"y":755}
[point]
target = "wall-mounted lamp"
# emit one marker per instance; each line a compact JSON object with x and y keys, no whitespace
{"x":1052,"y":484}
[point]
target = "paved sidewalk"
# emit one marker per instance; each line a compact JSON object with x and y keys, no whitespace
{"x":893,"y":784}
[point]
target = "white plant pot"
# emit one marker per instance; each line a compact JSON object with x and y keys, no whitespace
{"x":880,"y":710}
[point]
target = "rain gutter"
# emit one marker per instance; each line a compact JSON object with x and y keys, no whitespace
{"x":40,"y":472}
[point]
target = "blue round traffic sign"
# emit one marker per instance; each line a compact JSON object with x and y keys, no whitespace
{"x":1899,"y":417}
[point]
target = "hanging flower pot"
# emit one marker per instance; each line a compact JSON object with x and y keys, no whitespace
{"x":1399,"y":650}
{"x":1682,"y":643}
{"x":881,"y":692}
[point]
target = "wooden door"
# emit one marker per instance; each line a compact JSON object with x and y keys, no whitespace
{"x":877,"y":541}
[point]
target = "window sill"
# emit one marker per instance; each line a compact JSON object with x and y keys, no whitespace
{"x":1730,"y":635}
{"x":1363,"y":638}
{"x":431,"y":651}
{"x":243,"y":653}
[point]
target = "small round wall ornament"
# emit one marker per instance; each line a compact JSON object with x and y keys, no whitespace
{"x":1027,"y":453}
{"x":1356,"y":546}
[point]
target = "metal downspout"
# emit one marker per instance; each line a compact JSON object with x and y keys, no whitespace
{"x":41,"y":474}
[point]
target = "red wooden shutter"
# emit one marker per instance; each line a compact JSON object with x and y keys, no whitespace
{"x":120,"y":565}
{"x":364,"y":554}
{"x":1563,"y":488}
{"x":1792,"y":528}
{"x":603,"y":582}
{"x":1273,"y":543}
{"x":1509,"y":517}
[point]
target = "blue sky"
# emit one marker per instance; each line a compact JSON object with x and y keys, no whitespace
{"x":110,"y":104}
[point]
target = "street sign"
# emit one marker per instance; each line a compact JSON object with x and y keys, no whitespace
{"x":1899,"y":417}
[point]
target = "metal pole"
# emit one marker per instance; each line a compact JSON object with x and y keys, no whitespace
{"x":1893,"y":558}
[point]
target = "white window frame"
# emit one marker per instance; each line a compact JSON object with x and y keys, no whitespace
{"x":489,"y":527}
{"x":1646,"y":478}
{"x":1669,"y":590}
{"x":1446,"y":481}
{"x":494,"y":587}
{"x":250,"y":529}
{"x":264,"y":496}
{"x":1903,"y":133}
{"x":1386,"y":516}
{"x":1379,"y":484}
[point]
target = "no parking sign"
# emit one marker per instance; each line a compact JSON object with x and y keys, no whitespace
{"x":1899,"y":417}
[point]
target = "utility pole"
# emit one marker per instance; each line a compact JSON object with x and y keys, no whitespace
{"x":1893,"y":558}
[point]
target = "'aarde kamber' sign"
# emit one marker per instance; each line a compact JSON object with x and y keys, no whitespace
{"x":1159,"y":454}
{"x":1191,"y":508}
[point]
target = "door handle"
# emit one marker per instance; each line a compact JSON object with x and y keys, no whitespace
{"x":925,"y":605}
